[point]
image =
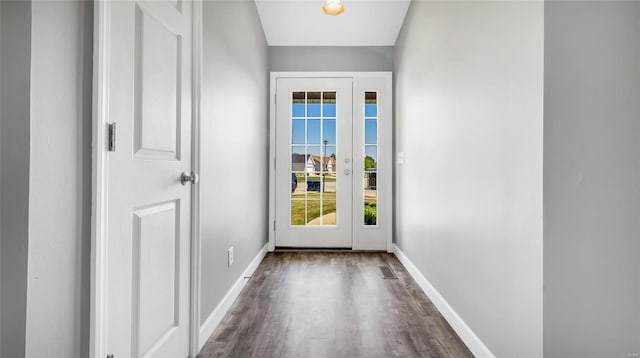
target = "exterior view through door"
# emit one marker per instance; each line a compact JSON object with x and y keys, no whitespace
{"x":332,"y":161}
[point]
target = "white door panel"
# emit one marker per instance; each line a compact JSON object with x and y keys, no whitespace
{"x":156,"y":271}
{"x":157,"y":54}
{"x":149,"y":211}
{"x":372,"y":128}
{"x":313,"y":143}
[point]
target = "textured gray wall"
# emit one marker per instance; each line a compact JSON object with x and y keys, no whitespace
{"x":469,"y":106}
{"x":234,"y":145}
{"x":333,"y":58}
{"x":15,"y":39}
{"x":592,"y":179}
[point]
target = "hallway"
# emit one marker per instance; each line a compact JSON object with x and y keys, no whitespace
{"x":487,"y":152}
{"x":332,"y":304}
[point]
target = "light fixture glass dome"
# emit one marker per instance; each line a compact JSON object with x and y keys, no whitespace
{"x":333,"y":7}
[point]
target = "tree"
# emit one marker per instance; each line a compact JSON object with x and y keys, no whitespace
{"x":333,"y":155}
{"x":369,"y":163}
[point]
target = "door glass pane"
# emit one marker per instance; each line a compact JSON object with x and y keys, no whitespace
{"x":331,"y":163}
{"x":297,"y":131}
{"x":298,"y":186}
{"x":329,"y":131}
{"x":313,"y":159}
{"x":328,"y":210}
{"x":298,"y":161}
{"x":370,"y":179}
{"x":313,"y":131}
{"x":313,"y":104}
{"x":370,"y":157}
{"x":371,"y":104}
{"x":370,"y":198}
{"x":329,"y":104}
{"x":297,"y":107}
{"x":370,"y":131}
{"x":313,"y":212}
{"x":298,"y":212}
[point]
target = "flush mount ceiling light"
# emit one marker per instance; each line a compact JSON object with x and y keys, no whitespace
{"x":333,"y":7}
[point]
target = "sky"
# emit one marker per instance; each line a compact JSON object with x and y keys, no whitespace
{"x":327,"y":126}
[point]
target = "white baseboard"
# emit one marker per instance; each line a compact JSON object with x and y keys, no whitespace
{"x":211,"y":323}
{"x":465,"y":333}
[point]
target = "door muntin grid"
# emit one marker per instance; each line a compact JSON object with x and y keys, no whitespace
{"x":370,"y":150}
{"x":313,"y":153}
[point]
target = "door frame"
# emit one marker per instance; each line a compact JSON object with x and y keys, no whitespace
{"x":100,"y":184}
{"x":388,"y":104}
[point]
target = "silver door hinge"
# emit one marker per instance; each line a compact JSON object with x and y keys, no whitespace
{"x":274,"y":225}
{"x":111,"y":141}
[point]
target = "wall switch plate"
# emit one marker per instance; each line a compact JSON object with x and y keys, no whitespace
{"x":400,"y":157}
{"x":230,"y":256}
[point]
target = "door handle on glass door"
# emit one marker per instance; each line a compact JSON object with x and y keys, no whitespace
{"x":347,"y":171}
{"x":186,"y":177}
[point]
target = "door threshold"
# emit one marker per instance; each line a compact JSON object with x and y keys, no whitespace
{"x":323,"y":249}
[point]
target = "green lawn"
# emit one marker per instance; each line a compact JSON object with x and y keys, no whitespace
{"x":312,"y":206}
{"x":327,"y":178}
{"x":315,"y":195}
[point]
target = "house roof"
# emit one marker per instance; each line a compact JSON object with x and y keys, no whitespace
{"x":324,"y":160}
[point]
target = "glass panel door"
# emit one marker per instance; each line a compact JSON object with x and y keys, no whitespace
{"x":313,"y":159}
{"x":313,"y":138}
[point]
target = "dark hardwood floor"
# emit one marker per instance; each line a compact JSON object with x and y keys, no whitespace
{"x":332,"y":304}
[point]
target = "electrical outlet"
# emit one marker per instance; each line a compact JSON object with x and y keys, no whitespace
{"x":230,"y":256}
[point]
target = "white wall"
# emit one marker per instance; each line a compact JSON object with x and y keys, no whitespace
{"x":59,"y":206}
{"x":330,"y":58}
{"x":469,"y":101}
{"x":14,"y":162}
{"x":45,"y":126}
{"x":592,"y":179}
{"x":234,"y":175}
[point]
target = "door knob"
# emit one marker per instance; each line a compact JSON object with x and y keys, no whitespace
{"x":186,"y":177}
{"x":347,"y":171}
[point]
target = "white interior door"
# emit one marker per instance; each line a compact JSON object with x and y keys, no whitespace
{"x":149,"y":210}
{"x":314,"y":162}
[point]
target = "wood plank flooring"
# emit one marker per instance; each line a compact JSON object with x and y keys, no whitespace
{"x":332,"y":304}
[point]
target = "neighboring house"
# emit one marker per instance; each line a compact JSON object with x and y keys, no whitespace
{"x":298,"y":162}
{"x":313,"y":164}
{"x":316,"y":164}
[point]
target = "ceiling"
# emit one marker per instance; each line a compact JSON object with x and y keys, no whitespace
{"x":302,"y":22}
